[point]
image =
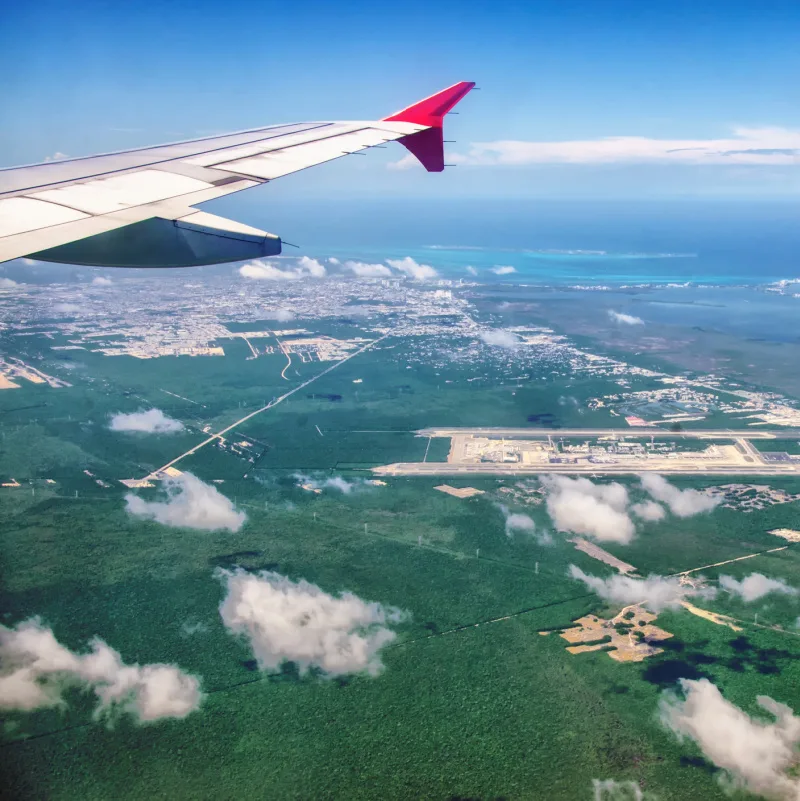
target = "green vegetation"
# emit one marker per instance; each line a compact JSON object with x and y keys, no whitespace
{"x":473,"y":703}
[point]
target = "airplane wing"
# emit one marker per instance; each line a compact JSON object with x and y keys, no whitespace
{"x":136,"y":208}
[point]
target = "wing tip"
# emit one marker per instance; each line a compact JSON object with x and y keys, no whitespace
{"x":431,"y":110}
{"x":427,"y":145}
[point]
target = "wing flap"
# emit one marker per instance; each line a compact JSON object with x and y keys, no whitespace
{"x":21,"y":214}
{"x":104,"y":195}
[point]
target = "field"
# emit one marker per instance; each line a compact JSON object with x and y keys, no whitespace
{"x":473,"y":702}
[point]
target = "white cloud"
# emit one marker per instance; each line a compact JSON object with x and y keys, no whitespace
{"x":101,"y":280}
{"x":57,"y":156}
{"x":649,"y":510}
{"x":264,"y":271}
{"x":594,"y":510}
{"x":755,"y":755}
{"x":313,"y":267}
{"x":190,"y":504}
{"x":419,"y":272}
{"x":408,"y":162}
{"x":471,"y":270}
{"x":152,"y":421}
{"x":66,"y":308}
{"x":189,"y":628}
{"x":7,"y":283}
{"x":337,"y":483}
{"x":334,"y":261}
{"x":500,"y":338}
{"x":518,"y":523}
{"x":364,"y":270}
{"x":281,"y":315}
{"x":267,"y":271}
{"x":755,"y":586}
{"x":504,"y":270}
{"x":682,"y":503}
{"x":287,"y":621}
{"x":36,"y":669}
{"x":658,"y":592}
{"x":625,"y":319}
{"x":611,"y":790}
{"x":765,"y":146}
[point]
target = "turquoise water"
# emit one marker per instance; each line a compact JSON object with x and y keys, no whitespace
{"x":565,"y":243}
{"x":553,"y":268}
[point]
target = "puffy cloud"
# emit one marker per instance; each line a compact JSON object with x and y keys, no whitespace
{"x":766,"y":146}
{"x":7,"y":283}
{"x":281,"y":315}
{"x":500,"y":338}
{"x":66,"y":308}
{"x":287,"y":621}
{"x":408,"y":162}
{"x":419,"y":272}
{"x":624,"y":319}
{"x":755,"y":586}
{"x":36,"y":669}
{"x":57,"y":156}
{"x":611,"y":790}
{"x":264,"y":271}
{"x":364,"y":270}
{"x":152,"y":421}
{"x":471,"y":270}
{"x":594,"y":510}
{"x":503,"y":270}
{"x":517,"y":523}
{"x":337,"y":483}
{"x":101,"y":280}
{"x":313,"y":267}
{"x":649,"y":510}
{"x":190,"y":504}
{"x":658,"y":592}
{"x":267,"y":271}
{"x":755,"y":755}
{"x":334,"y":261}
{"x":189,"y":629}
{"x":683,"y":503}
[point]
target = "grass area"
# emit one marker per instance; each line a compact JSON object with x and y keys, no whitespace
{"x":493,"y":710}
{"x":473,"y":703}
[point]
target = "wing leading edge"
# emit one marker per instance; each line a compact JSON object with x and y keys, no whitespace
{"x":136,"y":208}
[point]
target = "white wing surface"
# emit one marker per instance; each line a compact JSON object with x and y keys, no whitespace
{"x":136,"y":208}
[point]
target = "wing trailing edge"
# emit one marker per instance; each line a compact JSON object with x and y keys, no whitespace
{"x":428,"y":145}
{"x":194,"y":239}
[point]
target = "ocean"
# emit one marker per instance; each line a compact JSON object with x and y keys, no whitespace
{"x":553,"y":243}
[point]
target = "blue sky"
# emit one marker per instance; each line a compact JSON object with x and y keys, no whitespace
{"x":555,"y":78}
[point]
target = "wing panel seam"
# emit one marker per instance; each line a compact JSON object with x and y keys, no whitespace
{"x":83,"y":178}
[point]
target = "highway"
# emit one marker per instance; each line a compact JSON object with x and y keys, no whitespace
{"x":219,"y":434}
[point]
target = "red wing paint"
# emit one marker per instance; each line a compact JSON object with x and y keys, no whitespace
{"x":428,"y":145}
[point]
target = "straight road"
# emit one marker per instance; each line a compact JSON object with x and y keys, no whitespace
{"x":270,"y":405}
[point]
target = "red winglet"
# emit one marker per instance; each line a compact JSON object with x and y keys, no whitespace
{"x":428,"y":145}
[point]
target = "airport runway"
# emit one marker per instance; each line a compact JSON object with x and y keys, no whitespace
{"x":497,"y":469}
{"x":544,"y":433}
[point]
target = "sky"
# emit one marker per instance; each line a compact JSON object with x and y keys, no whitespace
{"x":578,"y":98}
